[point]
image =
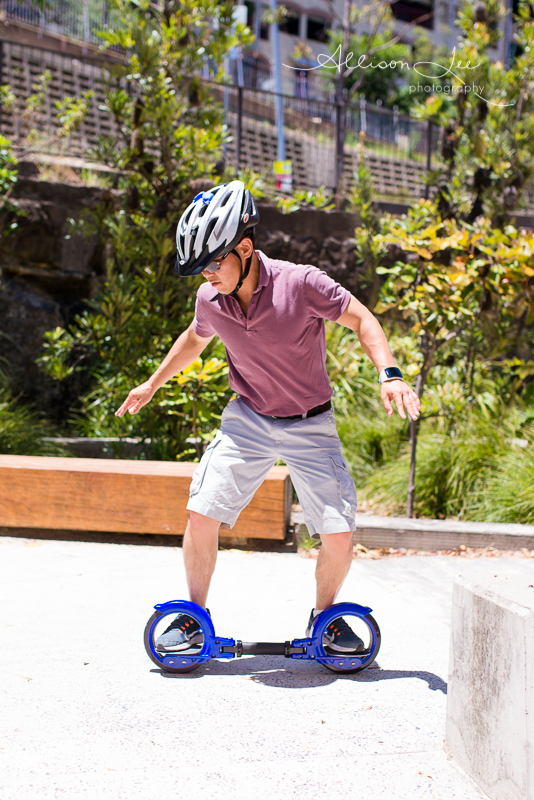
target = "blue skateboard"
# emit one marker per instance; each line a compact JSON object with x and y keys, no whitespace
{"x":213,"y":646}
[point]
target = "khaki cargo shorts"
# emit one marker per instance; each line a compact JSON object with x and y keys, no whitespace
{"x":245,"y":448}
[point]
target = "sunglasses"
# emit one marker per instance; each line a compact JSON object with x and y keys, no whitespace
{"x":213,"y":266}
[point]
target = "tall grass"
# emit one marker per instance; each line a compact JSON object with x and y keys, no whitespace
{"x":23,"y":431}
{"x":452,"y":470}
{"x":474,"y":468}
{"x":509,"y":493}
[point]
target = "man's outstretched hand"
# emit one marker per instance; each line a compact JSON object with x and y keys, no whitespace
{"x":403,"y":396}
{"x":137,"y":398}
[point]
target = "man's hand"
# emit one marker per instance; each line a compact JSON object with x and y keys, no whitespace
{"x":137,"y":398}
{"x":403,"y":396}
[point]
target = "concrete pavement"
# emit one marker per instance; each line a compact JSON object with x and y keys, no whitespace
{"x":84,"y":713}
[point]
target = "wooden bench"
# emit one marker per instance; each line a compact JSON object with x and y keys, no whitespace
{"x":112,"y":495}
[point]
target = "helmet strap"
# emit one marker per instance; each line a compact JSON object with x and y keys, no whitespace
{"x":244,"y":272}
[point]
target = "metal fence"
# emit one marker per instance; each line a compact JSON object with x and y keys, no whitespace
{"x":78,"y":19}
{"x":257,"y":73}
{"x":397,"y":148}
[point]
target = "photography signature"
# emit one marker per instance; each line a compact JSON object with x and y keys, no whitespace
{"x":335,"y":61}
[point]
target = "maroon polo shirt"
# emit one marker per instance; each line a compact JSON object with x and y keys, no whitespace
{"x":277,"y":353}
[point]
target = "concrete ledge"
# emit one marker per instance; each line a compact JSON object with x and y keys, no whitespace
{"x":436,"y":534}
{"x":490,"y":698}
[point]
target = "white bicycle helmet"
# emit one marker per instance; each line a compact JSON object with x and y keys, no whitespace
{"x":212,"y":225}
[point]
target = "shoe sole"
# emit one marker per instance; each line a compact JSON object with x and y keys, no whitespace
{"x":326,"y":643}
{"x":360,"y":648}
{"x":179,"y":647}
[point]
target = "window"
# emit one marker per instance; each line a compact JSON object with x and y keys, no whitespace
{"x":251,"y":13}
{"x":317,"y":29}
{"x":409,"y":11}
{"x":291,"y":24}
{"x":251,"y":19}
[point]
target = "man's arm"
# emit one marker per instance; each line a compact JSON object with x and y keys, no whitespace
{"x":374,"y":343}
{"x":184,"y":351}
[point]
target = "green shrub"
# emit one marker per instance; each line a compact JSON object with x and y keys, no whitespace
{"x":370,"y":441}
{"x":23,"y":431}
{"x":121,"y":338}
{"x":470,"y":470}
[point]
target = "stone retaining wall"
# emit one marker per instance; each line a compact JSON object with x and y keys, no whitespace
{"x":47,"y":273}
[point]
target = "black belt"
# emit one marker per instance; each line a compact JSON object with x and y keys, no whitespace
{"x":311,"y":413}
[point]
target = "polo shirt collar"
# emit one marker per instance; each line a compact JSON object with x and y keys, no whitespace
{"x":265,"y":270}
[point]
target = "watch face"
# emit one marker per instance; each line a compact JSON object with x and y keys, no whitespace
{"x":393,"y":372}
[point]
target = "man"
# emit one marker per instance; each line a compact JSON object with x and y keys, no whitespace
{"x":270,"y":316}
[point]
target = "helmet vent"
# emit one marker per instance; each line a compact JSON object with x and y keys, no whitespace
{"x":186,"y":220}
{"x":182,"y":243}
{"x":228,"y":196}
{"x":209,"y":229}
{"x":203,"y":210}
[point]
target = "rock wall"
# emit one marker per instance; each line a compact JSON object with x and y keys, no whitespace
{"x":334,"y":256}
{"x":47,"y":273}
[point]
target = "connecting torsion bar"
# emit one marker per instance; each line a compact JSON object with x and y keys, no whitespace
{"x":263,"y":649}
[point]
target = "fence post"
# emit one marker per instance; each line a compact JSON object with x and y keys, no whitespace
{"x":281,"y":146}
{"x":226,"y":105}
{"x":86,"y":26}
{"x":428,"y":155}
{"x":339,"y":145}
{"x":1,"y":75}
{"x":363,"y":115}
{"x":239,"y":128}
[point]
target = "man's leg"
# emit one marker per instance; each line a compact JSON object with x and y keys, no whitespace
{"x":333,"y":565}
{"x":201,"y":541}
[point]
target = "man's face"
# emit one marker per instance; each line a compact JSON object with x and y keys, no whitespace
{"x":225,"y":279}
{"x":228,"y":274}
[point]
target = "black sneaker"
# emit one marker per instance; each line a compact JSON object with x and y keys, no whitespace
{"x":339,"y":636}
{"x":182,"y":633}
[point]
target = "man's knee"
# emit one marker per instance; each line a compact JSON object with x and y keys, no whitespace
{"x":198,"y":523}
{"x":337,"y":543}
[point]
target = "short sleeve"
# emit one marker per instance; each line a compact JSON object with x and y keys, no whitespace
{"x":201,"y":324}
{"x":324,"y":297}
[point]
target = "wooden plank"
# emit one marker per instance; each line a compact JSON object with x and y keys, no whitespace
{"x":124,"y":496}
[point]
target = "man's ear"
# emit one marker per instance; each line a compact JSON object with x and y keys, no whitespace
{"x":245,"y":247}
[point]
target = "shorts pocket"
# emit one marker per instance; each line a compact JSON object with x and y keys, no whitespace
{"x":347,"y":492}
{"x":228,"y":410}
{"x":198,"y":475}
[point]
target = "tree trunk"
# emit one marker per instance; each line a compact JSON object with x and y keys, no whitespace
{"x":414,"y":430}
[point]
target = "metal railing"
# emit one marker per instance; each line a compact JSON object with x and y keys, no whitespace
{"x":386,"y":131}
{"x":77,"y":19}
{"x":397,"y":148}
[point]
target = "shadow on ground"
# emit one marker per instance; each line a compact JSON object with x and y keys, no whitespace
{"x":267,"y":670}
